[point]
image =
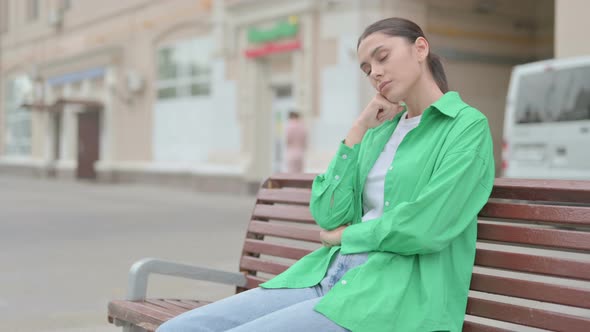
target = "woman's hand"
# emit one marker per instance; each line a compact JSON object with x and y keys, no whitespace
{"x":333,"y":237}
{"x":378,"y":111}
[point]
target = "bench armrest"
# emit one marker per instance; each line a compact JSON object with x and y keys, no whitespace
{"x":140,"y":271}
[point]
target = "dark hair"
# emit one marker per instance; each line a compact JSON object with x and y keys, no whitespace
{"x":294,"y":115}
{"x":401,"y":27}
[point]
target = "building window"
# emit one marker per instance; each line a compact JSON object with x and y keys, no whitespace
{"x":184,"y":69}
{"x":4,"y":16}
{"x":18,"y":119}
{"x":32,"y":10}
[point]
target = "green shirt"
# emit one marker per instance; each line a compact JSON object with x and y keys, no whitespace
{"x":422,"y":249}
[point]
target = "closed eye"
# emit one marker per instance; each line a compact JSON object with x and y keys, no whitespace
{"x":368,"y":73}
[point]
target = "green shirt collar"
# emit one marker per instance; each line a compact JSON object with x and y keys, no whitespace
{"x":450,"y":104}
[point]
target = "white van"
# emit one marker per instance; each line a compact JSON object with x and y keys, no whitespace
{"x":547,"y":122}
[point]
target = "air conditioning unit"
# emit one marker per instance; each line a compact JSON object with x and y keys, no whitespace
{"x":56,"y":17}
{"x":135,"y":82}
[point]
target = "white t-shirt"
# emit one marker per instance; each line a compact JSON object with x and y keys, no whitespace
{"x":374,"y":192}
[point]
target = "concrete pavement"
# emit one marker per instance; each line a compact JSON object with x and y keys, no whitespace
{"x":66,"y":247}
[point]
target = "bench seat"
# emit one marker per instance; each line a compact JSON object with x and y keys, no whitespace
{"x":532,"y":265}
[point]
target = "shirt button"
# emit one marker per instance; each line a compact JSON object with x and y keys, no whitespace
{"x":344,"y":156}
{"x":344,"y":282}
{"x":337,"y":177}
{"x":386,"y":203}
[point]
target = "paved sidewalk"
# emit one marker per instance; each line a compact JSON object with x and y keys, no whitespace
{"x":66,"y":247}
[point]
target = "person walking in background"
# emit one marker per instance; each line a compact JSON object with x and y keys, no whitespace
{"x":296,"y":143}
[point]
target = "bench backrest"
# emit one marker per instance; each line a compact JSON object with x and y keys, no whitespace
{"x":532,"y":265}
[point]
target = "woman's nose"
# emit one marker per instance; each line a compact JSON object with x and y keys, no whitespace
{"x":377,"y":73}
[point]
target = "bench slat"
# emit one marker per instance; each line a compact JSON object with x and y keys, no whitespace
{"x":193,"y":303}
{"x":471,"y":326}
{"x":534,"y":236}
{"x":273,"y":249}
{"x":294,"y":196}
{"x":290,"y":180}
{"x":259,"y":265}
{"x":544,"y":319}
{"x":532,"y":290}
{"x":169,"y":307}
{"x":283,"y":212}
{"x":182,"y":304}
{"x":254,"y":281}
{"x":550,"y":266}
{"x":284,"y":231}
{"x":153,"y":311}
{"x":569,"y":215}
{"x":570,"y":191}
{"x":574,"y":191}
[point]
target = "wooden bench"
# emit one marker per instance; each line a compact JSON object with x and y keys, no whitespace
{"x":532,"y":267}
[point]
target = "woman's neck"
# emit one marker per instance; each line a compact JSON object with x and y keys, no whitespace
{"x":422,"y":95}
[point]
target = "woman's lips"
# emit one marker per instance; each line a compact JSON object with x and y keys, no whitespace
{"x":383,"y":85}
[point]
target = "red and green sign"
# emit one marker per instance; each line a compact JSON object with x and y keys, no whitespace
{"x":279,"y":38}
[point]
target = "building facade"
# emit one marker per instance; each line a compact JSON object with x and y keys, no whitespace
{"x":196,"y":93}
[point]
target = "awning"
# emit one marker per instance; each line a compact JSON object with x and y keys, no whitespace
{"x":78,"y":76}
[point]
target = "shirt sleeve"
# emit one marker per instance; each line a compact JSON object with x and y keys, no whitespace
{"x":445,"y":207}
{"x":333,"y":193}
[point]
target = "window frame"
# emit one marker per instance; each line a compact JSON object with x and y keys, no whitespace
{"x":17,"y":120}
{"x":183,"y":79}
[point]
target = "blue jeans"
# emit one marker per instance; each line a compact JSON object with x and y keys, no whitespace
{"x":259,"y":309}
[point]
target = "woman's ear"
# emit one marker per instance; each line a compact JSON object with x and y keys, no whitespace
{"x":422,"y":48}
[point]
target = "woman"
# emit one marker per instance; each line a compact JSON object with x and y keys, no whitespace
{"x":398,"y":205}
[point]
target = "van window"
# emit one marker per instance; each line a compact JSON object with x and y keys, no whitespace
{"x":554,"y":96}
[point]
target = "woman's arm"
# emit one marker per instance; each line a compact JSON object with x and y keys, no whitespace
{"x":445,"y":207}
{"x":333,"y":193}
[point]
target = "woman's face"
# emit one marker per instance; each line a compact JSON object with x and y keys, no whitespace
{"x":393,"y":64}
